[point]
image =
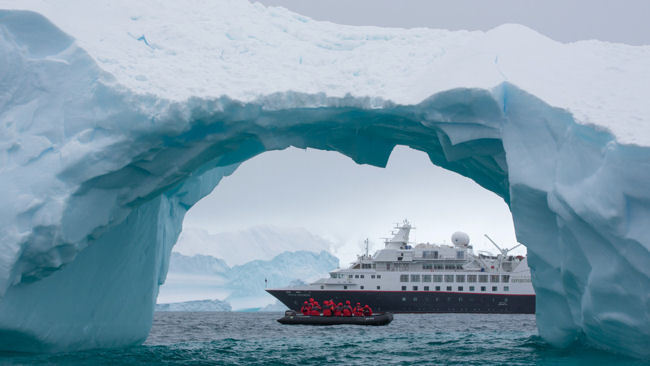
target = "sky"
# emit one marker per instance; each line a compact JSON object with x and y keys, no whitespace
{"x":329,"y":195}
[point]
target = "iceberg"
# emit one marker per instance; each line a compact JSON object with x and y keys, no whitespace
{"x":118,"y":117}
{"x":195,"y":305}
{"x":200,"y":277}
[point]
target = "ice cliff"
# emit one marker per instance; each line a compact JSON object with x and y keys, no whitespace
{"x":116,"y":117}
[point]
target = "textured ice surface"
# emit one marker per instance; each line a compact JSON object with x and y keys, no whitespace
{"x":120,"y":117}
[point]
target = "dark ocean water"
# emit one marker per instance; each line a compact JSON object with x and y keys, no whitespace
{"x":257,"y":339}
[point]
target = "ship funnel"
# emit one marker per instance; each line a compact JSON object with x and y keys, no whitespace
{"x":400,"y":238}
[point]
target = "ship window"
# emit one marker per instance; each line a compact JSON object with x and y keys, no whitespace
{"x":437,"y":278}
{"x":403,"y":278}
{"x":362,"y":287}
{"x":460,"y":254}
{"x":460,"y":288}
{"x":429,"y":254}
{"x":349,"y":276}
{"x":426,"y":288}
{"x":378,"y":276}
{"x":505,"y":278}
{"x":426,"y":278}
{"x":482,"y":278}
{"x":366,"y":266}
{"x":403,"y":299}
{"x":448,"y":288}
{"x":459,"y":266}
{"x":482,"y":288}
{"x":415,"y":299}
{"x":362,"y":276}
{"x":471,"y":288}
{"x":415,"y":288}
{"x":403,"y":288}
{"x":415,"y":278}
{"x":333,"y":275}
{"x":494,"y":278}
{"x":506,"y":288}
{"x":427,"y":266}
{"x":378,"y":287}
{"x":437,"y":288}
{"x":471,"y":278}
{"x":449,"y":278}
{"x":460,"y":278}
{"x":372,"y":276}
{"x":388,"y":266}
{"x":450,"y":266}
{"x":345,"y":287}
{"x":494,"y":288}
{"x":322,"y":287}
{"x":438,"y":266}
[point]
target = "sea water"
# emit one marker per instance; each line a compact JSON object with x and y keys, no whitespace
{"x":232,"y":338}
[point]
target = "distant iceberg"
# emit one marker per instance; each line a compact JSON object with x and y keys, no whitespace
{"x":201,"y":277}
{"x":113,"y":124}
{"x":196,"y":305}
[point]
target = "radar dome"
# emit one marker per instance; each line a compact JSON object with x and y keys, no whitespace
{"x":460,"y":238}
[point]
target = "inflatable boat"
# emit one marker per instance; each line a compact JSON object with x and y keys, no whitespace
{"x":290,"y":317}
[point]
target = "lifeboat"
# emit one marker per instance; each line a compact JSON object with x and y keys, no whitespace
{"x":290,"y":317}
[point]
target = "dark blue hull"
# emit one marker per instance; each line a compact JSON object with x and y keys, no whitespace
{"x":415,"y":301}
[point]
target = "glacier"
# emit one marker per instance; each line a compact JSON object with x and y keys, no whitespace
{"x":117,"y":118}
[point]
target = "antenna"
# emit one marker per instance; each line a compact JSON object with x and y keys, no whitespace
{"x":492,"y":241}
{"x":504,"y":252}
{"x":366,"y":247}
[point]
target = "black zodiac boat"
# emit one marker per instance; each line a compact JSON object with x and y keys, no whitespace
{"x":290,"y":317}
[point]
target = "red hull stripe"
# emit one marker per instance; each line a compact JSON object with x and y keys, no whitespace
{"x":385,"y":291}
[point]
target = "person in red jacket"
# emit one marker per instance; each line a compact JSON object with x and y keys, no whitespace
{"x":347,"y":308}
{"x":327,"y":308}
{"x":305,"y":308}
{"x":367,"y":311}
{"x":315,"y":309}
{"x":358,"y":310}
{"x":338,"y":310}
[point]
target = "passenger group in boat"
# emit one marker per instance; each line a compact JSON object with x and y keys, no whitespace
{"x":330,"y":308}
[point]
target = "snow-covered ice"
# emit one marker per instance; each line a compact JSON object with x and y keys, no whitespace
{"x":116,"y":118}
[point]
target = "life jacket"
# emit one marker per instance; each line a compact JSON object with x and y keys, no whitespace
{"x":338,"y":310}
{"x":357,"y":311}
{"x":367,"y":311}
{"x":305,"y":309}
{"x":315,"y":310}
{"x":327,"y":311}
{"x":347,"y":310}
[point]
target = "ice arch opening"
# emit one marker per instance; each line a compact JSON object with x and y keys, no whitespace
{"x":84,"y":252}
{"x":534,"y":156}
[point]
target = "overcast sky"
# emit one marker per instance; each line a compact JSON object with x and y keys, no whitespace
{"x":330,"y":195}
{"x":623,"y":21}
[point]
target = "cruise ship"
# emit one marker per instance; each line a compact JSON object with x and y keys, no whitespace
{"x":405,"y":277}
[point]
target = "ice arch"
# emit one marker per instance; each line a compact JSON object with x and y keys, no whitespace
{"x":96,"y":181}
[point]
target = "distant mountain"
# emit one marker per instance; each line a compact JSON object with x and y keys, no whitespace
{"x":197,"y":305}
{"x":260,"y":242}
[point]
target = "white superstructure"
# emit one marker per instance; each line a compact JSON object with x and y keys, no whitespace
{"x":405,"y":266}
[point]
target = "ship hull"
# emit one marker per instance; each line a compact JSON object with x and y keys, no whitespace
{"x":415,"y":301}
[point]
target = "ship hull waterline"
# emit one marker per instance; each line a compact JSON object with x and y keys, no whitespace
{"x":415,"y":301}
